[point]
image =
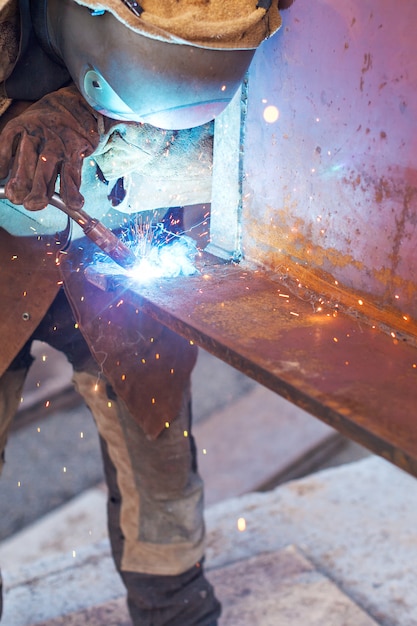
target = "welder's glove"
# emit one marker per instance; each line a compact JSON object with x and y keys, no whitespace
{"x":50,"y":138}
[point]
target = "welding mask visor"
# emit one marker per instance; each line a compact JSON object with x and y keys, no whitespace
{"x":146,"y":75}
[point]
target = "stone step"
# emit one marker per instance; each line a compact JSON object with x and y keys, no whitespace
{"x":337,"y":548}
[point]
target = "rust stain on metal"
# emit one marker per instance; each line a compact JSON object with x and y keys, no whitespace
{"x":367,"y":65}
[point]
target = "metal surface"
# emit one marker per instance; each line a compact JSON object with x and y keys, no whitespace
{"x":357,"y":379}
{"x":330,"y":182}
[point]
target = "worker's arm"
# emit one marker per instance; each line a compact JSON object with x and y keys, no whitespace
{"x":53,"y":136}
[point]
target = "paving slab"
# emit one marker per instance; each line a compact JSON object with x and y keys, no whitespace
{"x":258,"y":439}
{"x":78,"y":523}
{"x":113,"y":613}
{"x":283,"y":588}
{"x":57,"y":586}
{"x":356,"y":523}
{"x":277,"y":588}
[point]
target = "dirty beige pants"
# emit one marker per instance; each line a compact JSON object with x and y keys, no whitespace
{"x":161,"y":508}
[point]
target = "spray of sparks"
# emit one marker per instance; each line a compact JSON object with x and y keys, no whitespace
{"x":160,"y":251}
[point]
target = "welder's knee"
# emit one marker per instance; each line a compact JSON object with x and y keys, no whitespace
{"x":11,"y":385}
{"x":158,"y":512}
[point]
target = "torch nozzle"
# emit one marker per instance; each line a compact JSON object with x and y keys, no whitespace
{"x":107,"y":241}
{"x":102,"y":236}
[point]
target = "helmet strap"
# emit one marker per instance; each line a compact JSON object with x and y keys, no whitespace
{"x":39,"y":15}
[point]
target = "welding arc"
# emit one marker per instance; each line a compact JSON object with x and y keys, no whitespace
{"x":102,"y":236}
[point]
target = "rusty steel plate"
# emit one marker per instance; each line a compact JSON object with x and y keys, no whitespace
{"x":353,"y":376}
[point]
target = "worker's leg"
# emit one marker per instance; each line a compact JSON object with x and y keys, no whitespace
{"x":155,"y":512}
{"x":155,"y":495}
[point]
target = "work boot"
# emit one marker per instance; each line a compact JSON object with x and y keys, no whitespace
{"x":184,"y":600}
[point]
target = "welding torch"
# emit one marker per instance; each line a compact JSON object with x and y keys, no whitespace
{"x":102,"y":236}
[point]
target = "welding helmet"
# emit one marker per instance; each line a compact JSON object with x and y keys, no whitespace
{"x":174,"y":64}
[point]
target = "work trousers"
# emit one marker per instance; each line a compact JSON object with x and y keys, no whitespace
{"x":155,"y":502}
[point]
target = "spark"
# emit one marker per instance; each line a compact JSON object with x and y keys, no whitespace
{"x":241,"y":524}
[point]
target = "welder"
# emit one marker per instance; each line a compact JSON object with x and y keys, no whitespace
{"x":91,"y":92}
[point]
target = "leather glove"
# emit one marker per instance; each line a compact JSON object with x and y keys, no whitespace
{"x":50,"y":138}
